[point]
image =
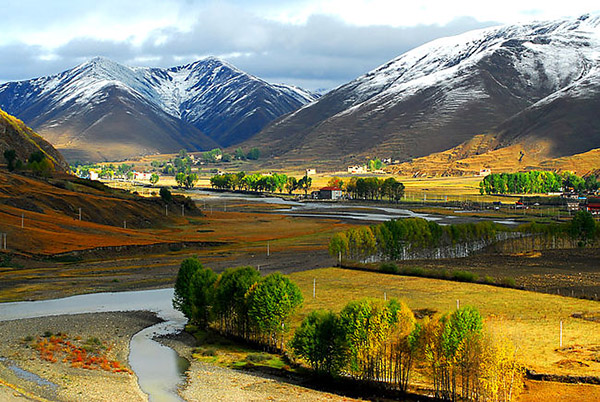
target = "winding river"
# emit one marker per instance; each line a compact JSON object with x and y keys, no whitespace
{"x":160,"y":370}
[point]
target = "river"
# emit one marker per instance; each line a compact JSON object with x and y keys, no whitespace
{"x":159,"y":369}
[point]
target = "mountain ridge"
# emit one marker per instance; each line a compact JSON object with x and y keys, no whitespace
{"x":197,"y":106}
{"x":441,"y":94}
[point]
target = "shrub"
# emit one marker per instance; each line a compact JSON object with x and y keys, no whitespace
{"x":389,"y":268}
{"x":509,"y":282}
{"x":257,"y":357}
{"x":464,"y":276}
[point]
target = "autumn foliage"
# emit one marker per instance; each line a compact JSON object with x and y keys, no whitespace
{"x":90,"y":355}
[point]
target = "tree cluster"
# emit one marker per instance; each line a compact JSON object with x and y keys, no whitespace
{"x":239,"y":302}
{"x":37,"y":162}
{"x":380,"y":342}
{"x":389,"y":240}
{"x":374,"y":188}
{"x":252,"y":182}
{"x":186,"y":180}
{"x":536,"y":182}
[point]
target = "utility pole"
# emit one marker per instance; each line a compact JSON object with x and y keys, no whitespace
{"x":22,"y":220}
{"x":4,"y":235}
{"x":166,"y":210}
{"x":80,"y":213}
{"x":182,"y":210}
{"x":314,"y":288}
{"x":268,"y":249}
{"x":124,"y":224}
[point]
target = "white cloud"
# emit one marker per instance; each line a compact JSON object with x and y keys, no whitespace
{"x":314,"y":43}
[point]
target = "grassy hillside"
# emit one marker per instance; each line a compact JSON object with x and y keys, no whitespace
{"x":15,"y":135}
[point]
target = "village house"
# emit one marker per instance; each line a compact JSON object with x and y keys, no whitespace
{"x":311,"y":172}
{"x":357,"y":169}
{"x":330,"y":193}
{"x":592,"y":205}
{"x":142,"y":176}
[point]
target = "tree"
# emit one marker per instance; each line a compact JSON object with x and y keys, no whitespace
{"x":305,"y":183}
{"x":165,"y":195}
{"x":182,"y":297}
{"x":239,"y":154}
{"x":190,"y":180}
{"x":270,"y":305}
{"x":291,"y":184}
{"x":253,"y":154}
{"x":180,"y":179}
{"x":154,"y":179}
{"x":321,"y":341}
{"x":202,"y":291}
{"x":335,"y":182}
{"x":10,"y":155}
{"x":230,"y":302}
{"x":583,"y":227}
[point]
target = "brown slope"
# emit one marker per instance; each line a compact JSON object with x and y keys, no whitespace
{"x":50,"y":211}
{"x":15,"y":135}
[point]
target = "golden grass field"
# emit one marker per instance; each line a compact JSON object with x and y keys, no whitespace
{"x":531,"y":320}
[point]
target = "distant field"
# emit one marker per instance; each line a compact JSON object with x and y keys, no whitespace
{"x":531,"y":320}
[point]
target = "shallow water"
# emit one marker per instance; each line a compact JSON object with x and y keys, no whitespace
{"x":160,"y":370}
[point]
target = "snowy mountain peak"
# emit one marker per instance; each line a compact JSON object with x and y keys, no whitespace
{"x":437,"y":96}
{"x":209,"y":95}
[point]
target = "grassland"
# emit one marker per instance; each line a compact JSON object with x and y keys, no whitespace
{"x":531,"y":320}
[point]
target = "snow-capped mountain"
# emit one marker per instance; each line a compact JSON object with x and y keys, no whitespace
{"x":443,"y":93}
{"x":104,"y":110}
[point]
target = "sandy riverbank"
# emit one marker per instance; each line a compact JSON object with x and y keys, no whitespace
{"x":207,"y":382}
{"x":59,"y":381}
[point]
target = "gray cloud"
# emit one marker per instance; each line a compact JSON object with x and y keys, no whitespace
{"x":323,"y":52}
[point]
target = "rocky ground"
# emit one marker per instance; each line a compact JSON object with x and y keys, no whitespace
{"x":23,"y":374}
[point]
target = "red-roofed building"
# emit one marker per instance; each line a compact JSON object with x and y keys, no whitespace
{"x":593,"y":205}
{"x":330,"y":193}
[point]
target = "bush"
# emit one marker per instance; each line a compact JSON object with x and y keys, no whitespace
{"x":489,"y":280}
{"x":413,"y":271}
{"x":388,"y":268}
{"x":257,"y":357}
{"x":508,"y":282}
{"x":464,"y":276}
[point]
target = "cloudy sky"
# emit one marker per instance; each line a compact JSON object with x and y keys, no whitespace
{"x":316,"y":44}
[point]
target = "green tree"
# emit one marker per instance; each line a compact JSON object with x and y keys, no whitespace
{"x":180,"y":179}
{"x":182,"y":297}
{"x":10,"y":155}
{"x":190,"y":180}
{"x":202,"y":292}
{"x":291,"y":184}
{"x":253,"y":154}
{"x":583,"y":227}
{"x":321,"y":341}
{"x":165,"y":195}
{"x":270,"y":305}
{"x":305,"y":183}
{"x":230,"y":302}
{"x":154,"y":179}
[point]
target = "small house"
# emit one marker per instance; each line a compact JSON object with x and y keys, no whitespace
{"x":330,"y":193}
{"x":310,"y":172}
{"x":592,"y":205}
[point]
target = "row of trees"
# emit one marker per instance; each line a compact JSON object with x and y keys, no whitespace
{"x":390,"y":240}
{"x":258,"y":182}
{"x":380,"y":342}
{"x":536,"y":182}
{"x":370,"y":340}
{"x":239,"y":302}
{"x":374,"y":188}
